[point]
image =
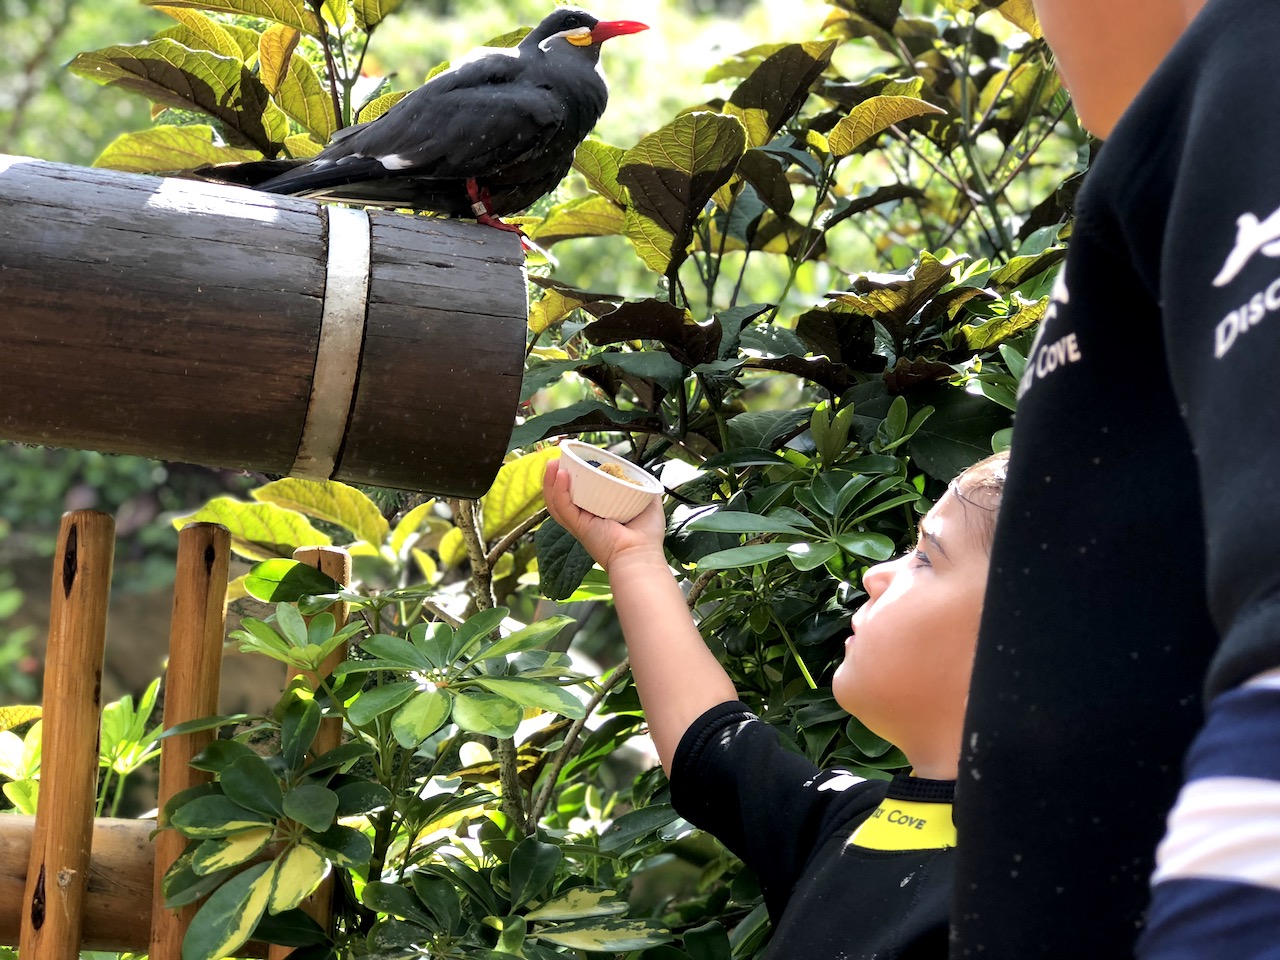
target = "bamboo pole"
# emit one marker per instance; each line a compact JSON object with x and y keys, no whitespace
{"x":336,"y":563}
{"x":190,"y":692}
{"x":58,"y":865}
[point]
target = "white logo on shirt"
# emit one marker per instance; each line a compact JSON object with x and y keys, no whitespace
{"x":1045,"y":358}
{"x":1253,"y":236}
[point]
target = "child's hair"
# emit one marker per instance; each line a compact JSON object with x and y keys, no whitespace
{"x":981,"y":486}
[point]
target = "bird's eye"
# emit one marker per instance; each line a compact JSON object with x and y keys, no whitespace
{"x":572,"y":23}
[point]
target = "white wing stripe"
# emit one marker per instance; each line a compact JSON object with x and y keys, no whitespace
{"x":1224,"y":828}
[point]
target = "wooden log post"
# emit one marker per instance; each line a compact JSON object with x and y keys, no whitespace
{"x":335,"y":563}
{"x":213,"y":324}
{"x":117,"y":901}
{"x":190,"y":692}
{"x":58,"y":865}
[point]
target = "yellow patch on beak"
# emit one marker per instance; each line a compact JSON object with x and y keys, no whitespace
{"x":580,"y":38}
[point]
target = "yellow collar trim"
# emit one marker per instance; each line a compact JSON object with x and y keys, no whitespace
{"x":906,"y":825}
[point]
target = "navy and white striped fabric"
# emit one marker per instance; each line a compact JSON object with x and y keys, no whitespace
{"x":1216,"y":888}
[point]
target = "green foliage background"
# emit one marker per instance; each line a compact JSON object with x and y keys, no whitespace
{"x":795,"y":275}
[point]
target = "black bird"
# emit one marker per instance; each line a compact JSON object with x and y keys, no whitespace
{"x":485,"y":138}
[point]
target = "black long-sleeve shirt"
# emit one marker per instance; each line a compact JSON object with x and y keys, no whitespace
{"x":1135,"y":575}
{"x":851,"y":869}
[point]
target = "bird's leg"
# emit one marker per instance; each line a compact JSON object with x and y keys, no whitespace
{"x":483,"y":210}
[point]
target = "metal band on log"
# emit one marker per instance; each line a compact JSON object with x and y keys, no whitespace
{"x":184,"y":321}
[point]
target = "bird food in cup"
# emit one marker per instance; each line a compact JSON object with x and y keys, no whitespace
{"x":605,"y":484}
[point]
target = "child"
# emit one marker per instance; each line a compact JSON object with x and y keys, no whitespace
{"x":850,"y":868}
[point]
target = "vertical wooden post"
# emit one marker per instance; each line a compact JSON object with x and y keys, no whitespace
{"x":190,"y":692}
{"x":336,"y":563}
{"x":57,"y":871}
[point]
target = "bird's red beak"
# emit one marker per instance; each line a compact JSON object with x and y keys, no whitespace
{"x":615,"y":28}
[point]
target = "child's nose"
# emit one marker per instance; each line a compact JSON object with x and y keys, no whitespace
{"x":877,"y":579}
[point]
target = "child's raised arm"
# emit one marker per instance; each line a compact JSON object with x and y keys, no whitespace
{"x":676,"y":675}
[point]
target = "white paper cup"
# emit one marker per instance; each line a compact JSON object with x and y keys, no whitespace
{"x":597,"y":492}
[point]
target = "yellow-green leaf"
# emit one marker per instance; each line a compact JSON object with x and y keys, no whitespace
{"x":452,"y":549}
{"x":872,"y":117}
{"x":778,"y":88}
{"x":380,"y":105}
{"x":169,"y":149}
{"x":516,"y":494}
{"x":172,"y":75}
{"x":275,"y":50}
{"x":11,"y":717}
{"x":617,"y":935}
{"x":599,"y":163}
{"x":592,"y":216}
{"x":578,"y":903}
{"x":1022,"y":14}
{"x":220,"y":853}
{"x":410,"y":524}
{"x":670,"y":175}
{"x":426,"y":565}
{"x":992,"y":332}
{"x":554,"y":306}
{"x":337,"y":12}
{"x":369,"y":13}
{"x":204,"y":33}
{"x":295,"y":876}
{"x":330,"y":501}
{"x":259,"y":531}
{"x":228,"y":917}
{"x":303,"y":97}
{"x":292,"y":13}
{"x":302,"y":146}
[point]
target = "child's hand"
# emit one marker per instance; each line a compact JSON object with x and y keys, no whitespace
{"x":605,"y":540}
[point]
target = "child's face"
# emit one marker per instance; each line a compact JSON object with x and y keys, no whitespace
{"x":906,"y":668}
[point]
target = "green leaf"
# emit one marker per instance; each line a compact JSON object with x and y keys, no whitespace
{"x":486,"y":713}
{"x":345,"y":846}
{"x":182,"y":885}
{"x":421,"y":717}
{"x":369,"y":13}
{"x":339,"y":757}
{"x":870,"y":546}
{"x":360,"y":797}
{"x":170,"y":74}
{"x":371,"y":704}
{"x":535,"y":693}
{"x":577,"y":418}
{"x":810,"y":556}
{"x":298,"y":730}
{"x":215,"y":816}
{"x":670,"y":175}
{"x":395,"y":900}
{"x":615,"y":934}
{"x":287,"y":581}
{"x":599,"y":163}
{"x":330,"y":501}
{"x":637,"y":825}
{"x":764,"y":429}
{"x":398,"y":651}
{"x":532,"y":637}
{"x":302,"y":95}
{"x":291,"y":624}
{"x":474,"y":629}
{"x":872,"y":117}
{"x":894,"y":299}
{"x":169,"y":150}
{"x":579,"y":903}
{"x":294,"y":876}
{"x":655,"y":365}
{"x":743,"y":556}
{"x":293,"y":13}
{"x":249,"y":782}
{"x":777,"y":89}
{"x":562,"y":561}
{"x":259,"y":531}
{"x":957,"y":435}
{"x":311,"y":805}
{"x":219,"y":854}
{"x":533,"y":865}
{"x":228,"y":917}
{"x":735,"y":521}
{"x":1025,"y":315}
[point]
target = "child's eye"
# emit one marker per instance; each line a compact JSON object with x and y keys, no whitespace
{"x":920,"y":557}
